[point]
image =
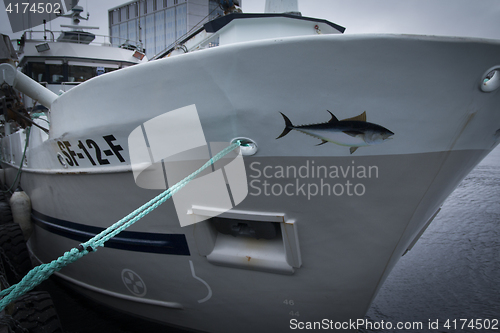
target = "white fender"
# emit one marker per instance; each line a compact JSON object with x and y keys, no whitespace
{"x":20,"y":205}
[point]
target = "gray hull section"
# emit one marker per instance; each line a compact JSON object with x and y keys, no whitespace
{"x":348,"y":243}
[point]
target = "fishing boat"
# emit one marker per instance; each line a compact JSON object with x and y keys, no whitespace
{"x":351,"y":145}
{"x":60,"y":60}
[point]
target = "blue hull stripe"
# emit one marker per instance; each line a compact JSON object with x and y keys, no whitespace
{"x":175,"y":244}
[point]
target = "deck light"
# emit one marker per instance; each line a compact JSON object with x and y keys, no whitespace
{"x":138,"y":55}
{"x":42,"y":47}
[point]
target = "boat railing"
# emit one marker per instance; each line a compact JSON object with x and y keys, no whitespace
{"x":100,"y":40}
{"x":68,"y":85}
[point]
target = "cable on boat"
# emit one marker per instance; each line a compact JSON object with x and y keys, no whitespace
{"x":38,"y":115}
{"x":42,"y":272}
{"x":182,"y":39}
{"x":19,"y":171}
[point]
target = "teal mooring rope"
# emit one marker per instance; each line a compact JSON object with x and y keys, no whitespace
{"x":42,"y":272}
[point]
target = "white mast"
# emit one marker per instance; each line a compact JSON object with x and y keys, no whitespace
{"x":282,"y":6}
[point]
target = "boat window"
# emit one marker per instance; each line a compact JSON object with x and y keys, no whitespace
{"x":214,"y":42}
{"x":38,"y":71}
{"x":74,"y":71}
{"x":83,"y":73}
{"x":56,"y":74}
{"x":80,"y":73}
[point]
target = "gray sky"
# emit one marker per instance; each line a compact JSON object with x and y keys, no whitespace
{"x":466,"y":18}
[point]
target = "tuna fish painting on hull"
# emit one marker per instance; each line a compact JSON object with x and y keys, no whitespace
{"x":351,"y":132}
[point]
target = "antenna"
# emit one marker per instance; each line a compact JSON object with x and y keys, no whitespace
{"x":75,"y":13}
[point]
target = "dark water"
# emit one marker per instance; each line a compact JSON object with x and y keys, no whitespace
{"x":452,"y":273}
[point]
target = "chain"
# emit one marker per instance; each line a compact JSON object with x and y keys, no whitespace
{"x":12,"y":324}
{"x":3,"y":277}
{"x":9,"y":263}
{"x":18,"y":325}
{"x":5,"y":284}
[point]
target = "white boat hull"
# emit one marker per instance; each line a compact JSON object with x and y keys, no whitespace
{"x":424,"y":89}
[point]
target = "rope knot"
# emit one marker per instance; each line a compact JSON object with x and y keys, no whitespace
{"x":89,"y":248}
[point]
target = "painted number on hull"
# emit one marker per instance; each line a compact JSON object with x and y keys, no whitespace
{"x":291,"y":302}
{"x":90,"y":150}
